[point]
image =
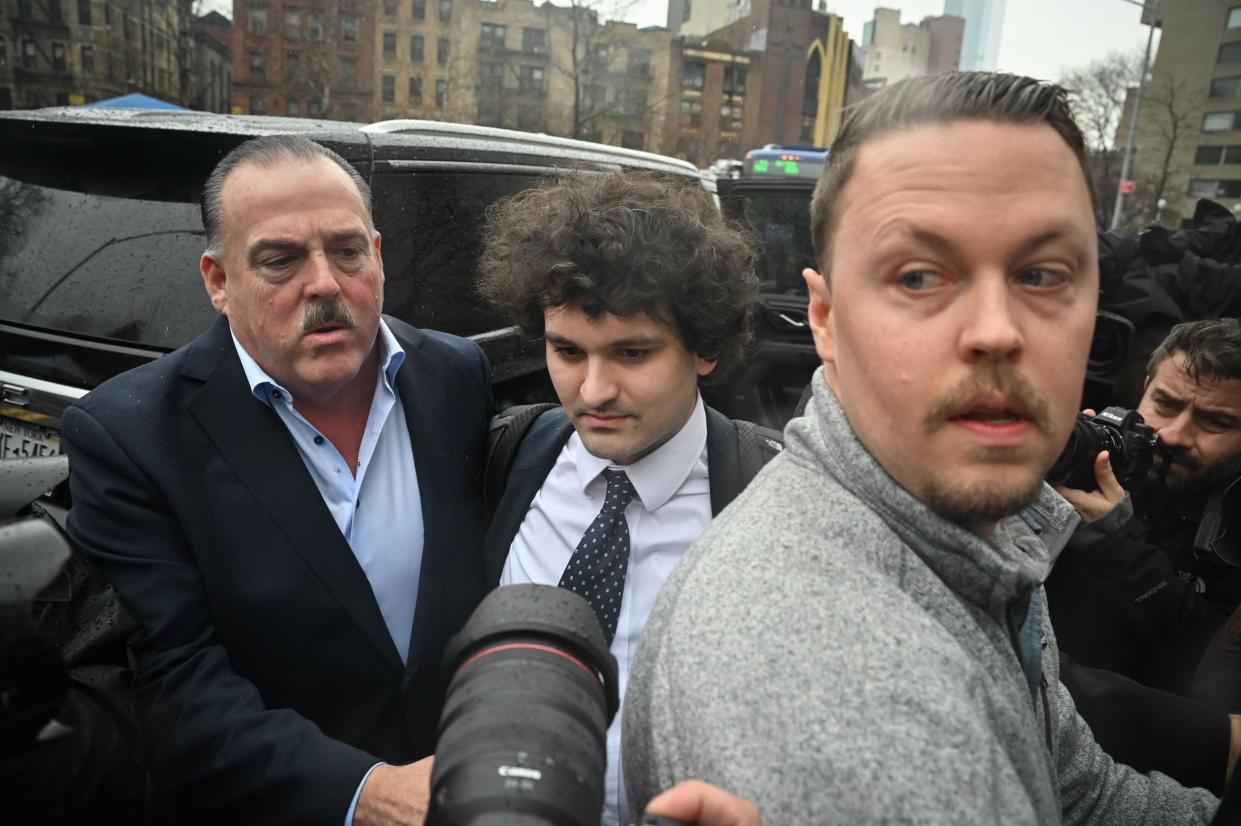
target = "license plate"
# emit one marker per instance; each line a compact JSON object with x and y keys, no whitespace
{"x":19,"y":440}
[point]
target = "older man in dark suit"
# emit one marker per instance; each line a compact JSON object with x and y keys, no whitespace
{"x":290,"y":507}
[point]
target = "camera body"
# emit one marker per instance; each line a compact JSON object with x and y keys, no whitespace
{"x":1131,"y":445}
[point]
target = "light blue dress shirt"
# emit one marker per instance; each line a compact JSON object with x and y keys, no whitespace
{"x":378,"y":510}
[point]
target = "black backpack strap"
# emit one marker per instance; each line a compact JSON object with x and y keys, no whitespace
{"x":508,"y":428}
{"x":756,"y":446}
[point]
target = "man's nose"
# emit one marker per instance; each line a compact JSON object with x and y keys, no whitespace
{"x":598,"y":384}
{"x":991,"y":331}
{"x":320,"y":276}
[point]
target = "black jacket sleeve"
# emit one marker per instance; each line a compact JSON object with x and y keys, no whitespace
{"x":1117,"y":603}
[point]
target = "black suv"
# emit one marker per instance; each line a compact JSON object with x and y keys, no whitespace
{"x":100,"y":237}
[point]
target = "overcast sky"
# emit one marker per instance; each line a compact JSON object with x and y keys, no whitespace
{"x":1042,"y":38}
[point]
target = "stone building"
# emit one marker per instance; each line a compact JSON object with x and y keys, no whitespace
{"x":62,"y":52}
{"x":211,"y":81}
{"x":1188,"y":143}
{"x":305,"y":58}
{"x":894,"y":51}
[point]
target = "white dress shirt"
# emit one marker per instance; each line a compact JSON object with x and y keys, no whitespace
{"x":672,"y":508}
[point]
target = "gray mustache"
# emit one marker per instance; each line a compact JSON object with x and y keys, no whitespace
{"x":327,"y":311}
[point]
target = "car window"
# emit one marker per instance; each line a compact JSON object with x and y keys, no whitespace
{"x":778,"y":220}
{"x":89,"y":251}
{"x":432,"y":224}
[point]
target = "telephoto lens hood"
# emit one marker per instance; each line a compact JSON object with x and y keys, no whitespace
{"x":532,"y":688}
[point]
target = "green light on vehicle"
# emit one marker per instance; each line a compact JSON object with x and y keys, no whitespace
{"x":761,"y":166}
{"x":790,"y":167}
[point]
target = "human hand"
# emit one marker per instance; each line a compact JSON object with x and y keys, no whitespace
{"x":1096,"y":504}
{"x":693,"y":801}
{"x":395,"y":795}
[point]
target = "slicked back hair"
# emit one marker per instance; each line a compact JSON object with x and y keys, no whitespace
{"x":623,"y":243}
{"x":266,"y":152}
{"x":1212,"y":349}
{"x":939,"y":99}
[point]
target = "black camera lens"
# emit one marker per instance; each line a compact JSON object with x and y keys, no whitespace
{"x":523,"y":737}
{"x":1075,"y":466}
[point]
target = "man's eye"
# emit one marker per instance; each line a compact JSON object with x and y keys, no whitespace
{"x":1041,"y":277}
{"x":278,"y":263}
{"x":918,"y":280}
{"x":632,"y":354}
{"x":567,"y":352}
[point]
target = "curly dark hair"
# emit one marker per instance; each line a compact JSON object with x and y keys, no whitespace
{"x":623,"y":243}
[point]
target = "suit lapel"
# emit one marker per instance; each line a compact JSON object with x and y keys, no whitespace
{"x":533,"y":460}
{"x":255,"y":443}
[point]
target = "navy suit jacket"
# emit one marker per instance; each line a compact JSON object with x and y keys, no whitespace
{"x":537,"y":454}
{"x":267,"y":681}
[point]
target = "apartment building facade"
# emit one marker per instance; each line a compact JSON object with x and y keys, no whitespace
{"x":68,"y":52}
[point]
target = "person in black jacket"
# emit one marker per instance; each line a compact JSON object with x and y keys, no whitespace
{"x":640,"y":290}
{"x":1149,"y":579}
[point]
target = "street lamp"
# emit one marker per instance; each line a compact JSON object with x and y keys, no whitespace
{"x":1127,"y":163}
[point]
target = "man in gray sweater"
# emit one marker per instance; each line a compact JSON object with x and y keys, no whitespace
{"x":862,"y":636}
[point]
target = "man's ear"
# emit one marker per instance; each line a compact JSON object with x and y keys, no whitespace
{"x":819,"y":311}
{"x":215,"y":281}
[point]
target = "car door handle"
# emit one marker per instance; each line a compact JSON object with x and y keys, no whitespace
{"x":792,"y":322}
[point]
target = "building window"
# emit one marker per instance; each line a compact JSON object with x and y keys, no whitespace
{"x":1219,"y":121}
{"x":416,"y":46}
{"x":388,"y":84}
{"x":441,"y":51}
{"x":256,"y":106}
{"x":488,"y":113}
{"x":687,"y":149}
{"x":534,"y":41}
{"x":441,"y":93}
{"x":292,"y":23}
{"x":88,"y":59}
{"x":640,"y":63}
{"x":693,"y":75}
{"x":349,"y":70}
{"x":631,"y":139}
{"x":727,"y":148}
{"x":58,"y":57}
{"x":730,"y":118}
{"x":1216,"y":155}
{"x":349,"y":28}
{"x":531,"y":118}
{"x":445,"y":10}
{"x":258,"y":66}
{"x":415,"y":90}
{"x":294,"y":109}
{"x":1234,"y":17}
{"x":418,"y":10}
{"x":734,"y":80}
{"x":292,"y":64}
{"x":491,"y":36}
{"x":257,"y":17}
{"x":349,"y":111}
{"x":531,"y":79}
{"x":314,"y":24}
{"x":84,"y":15}
{"x":490,"y":75}
{"x":389,"y":45}
{"x":1226,"y":87}
{"x":4,"y":51}
{"x":691,"y":113}
{"x":314,"y":108}
{"x":1229,"y":53}
{"x":390,"y":8}
{"x":1215,"y":189}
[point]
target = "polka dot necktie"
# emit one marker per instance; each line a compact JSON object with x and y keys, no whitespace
{"x":597,"y":568}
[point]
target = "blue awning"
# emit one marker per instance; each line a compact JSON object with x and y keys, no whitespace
{"x":135,"y":100}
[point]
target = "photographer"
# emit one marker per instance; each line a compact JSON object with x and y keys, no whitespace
{"x":1143,"y":584}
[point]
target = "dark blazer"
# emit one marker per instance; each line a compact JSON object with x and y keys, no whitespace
{"x":537,"y":454}
{"x":268,"y":683}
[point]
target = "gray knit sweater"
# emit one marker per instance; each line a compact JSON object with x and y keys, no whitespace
{"x":837,"y":653}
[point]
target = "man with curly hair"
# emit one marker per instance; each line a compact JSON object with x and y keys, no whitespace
{"x":640,"y":289}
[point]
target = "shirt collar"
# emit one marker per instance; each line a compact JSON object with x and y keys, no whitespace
{"x":264,"y":386}
{"x":660,"y":473}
